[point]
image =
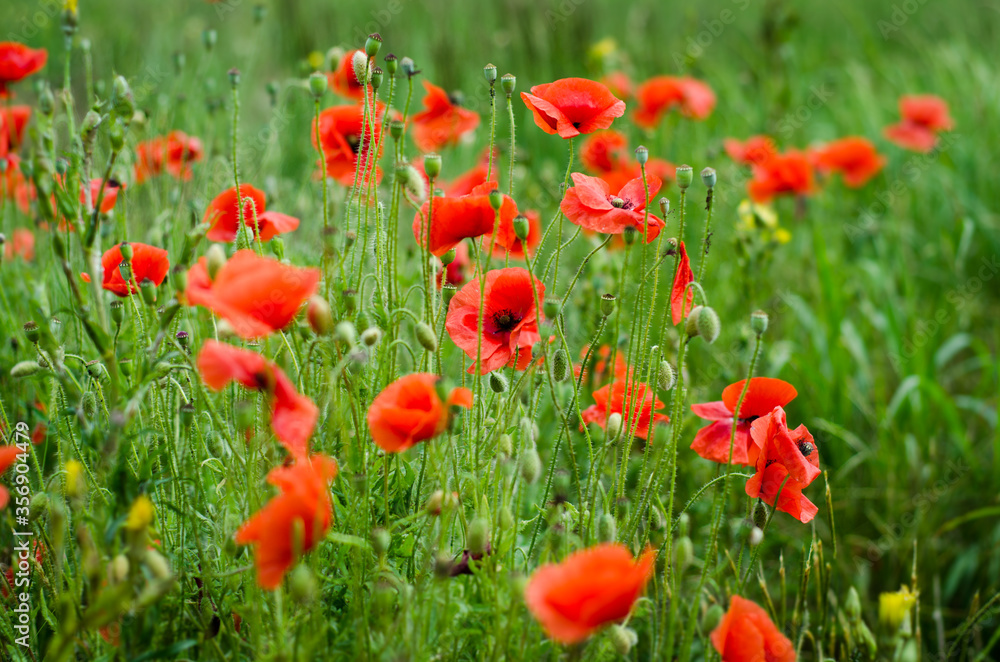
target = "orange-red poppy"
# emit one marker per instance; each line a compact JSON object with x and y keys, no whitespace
{"x":442,"y":122}
{"x":340,"y":129}
{"x":661,"y":94}
{"x":256,"y":295}
{"x":923,"y":116}
{"x":790,"y":173}
{"x":604,"y":151}
{"x":510,"y":319}
{"x":747,"y":634}
{"x":573,"y":106}
{"x":619,"y":83}
{"x":599,"y":364}
{"x":629,"y":169}
{"x":587,"y":590}
{"x":787,"y":462}
{"x":411,"y":410}
{"x":854,"y":157}
{"x":294,"y":520}
{"x":637,"y":409}
{"x":590,"y":205}
{"x":223,"y":215}
{"x":13,"y":120}
{"x":148,"y":263}
{"x":464,"y":217}
{"x":17,"y":62}
{"x":173,"y":154}
{"x":293,"y":416}
{"x":8,"y":455}
{"x":110,"y":197}
{"x":753,"y":150}
{"x":21,"y":244}
{"x":681,"y":296}
{"x":343,"y":81}
{"x":763,"y":395}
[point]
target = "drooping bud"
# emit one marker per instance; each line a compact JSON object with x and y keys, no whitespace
{"x":685,"y":175}
{"x":560,"y":365}
{"x":317,"y":84}
{"x":708,"y":324}
{"x":708,"y":177}
{"x":667,"y":376}
{"x":758,"y":322}
{"x":498,"y":382}
{"x":25,"y":369}
{"x":372,"y":44}
{"x":478,"y":536}
{"x":608,"y":304}
{"x":426,"y":337}
{"x":345,"y":333}
{"x":684,"y":552}
{"x":622,"y":638}
{"x":319,"y":316}
{"x":432,"y":165}
{"x":531,"y":464}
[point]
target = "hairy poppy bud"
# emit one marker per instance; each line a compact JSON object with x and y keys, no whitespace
{"x":396,"y":129}
{"x":708,"y":177}
{"x":302,"y":585}
{"x":613,"y":427}
{"x":521,"y":226}
{"x":758,"y":321}
{"x":691,"y":323}
{"x":756,"y":536}
{"x":759,"y":515}
{"x":505,"y":444}
{"x":371,"y":336}
{"x":712,"y":617}
{"x":208,"y":38}
{"x":376,"y":77}
{"x":629,"y":234}
{"x":391,"y":64}
{"x":408,"y":67}
{"x":608,"y":304}
{"x":381,"y":541}
{"x":560,"y":365}
{"x":215,"y":259}
{"x":667,"y":376}
{"x":46,"y":102}
{"x":641,"y":154}
{"x":432,"y":165}
{"x":372,"y":44}
{"x":496,"y":199}
{"x":89,"y":404}
{"x":127,"y":251}
{"x":852,"y":605}
{"x":478,"y":536}
{"x":317,"y":84}
{"x":664,"y":207}
{"x":426,"y":337}
{"x":39,"y":506}
{"x":685,"y":175}
{"x":359,"y":64}
{"x":607,"y":528}
{"x":435,"y":503}
{"x":498,"y":383}
{"x":319,"y":316}
{"x":345,"y":333}
{"x":118,"y":569}
{"x":508,"y":82}
{"x":25,"y":369}
{"x":90,"y":123}
{"x":490,"y":72}
{"x":708,"y":324}
{"x":412,"y":182}
{"x":117,"y":312}
{"x":148,"y":290}
{"x":551,"y":308}
{"x":684,"y":552}
{"x":531,"y":465}
{"x":622,"y":638}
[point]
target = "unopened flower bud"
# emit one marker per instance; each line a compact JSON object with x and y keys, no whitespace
{"x":496,"y":199}
{"x":608,"y":304}
{"x":684,"y":552}
{"x":707,"y":322}
{"x":852,"y":605}
{"x":758,"y":321}
{"x":498,"y":383}
{"x":708,"y":177}
{"x":607,"y":528}
{"x":641,"y":154}
{"x":560,"y":365}
{"x":667,"y":376}
{"x":426,"y":337}
{"x":317,"y":84}
{"x":759,"y":515}
{"x":157,"y":565}
{"x":371,"y":336}
{"x":622,"y":638}
{"x":39,"y":506}
{"x":319,"y":316}
{"x":345,"y":333}
{"x":372,"y":44}
{"x":359,"y":64}
{"x":505,"y":445}
{"x":408,"y":67}
{"x":613,"y":426}
{"x":302,"y":585}
{"x":478,"y":536}
{"x":148,"y":290}
{"x":46,"y":102}
{"x":381,"y":539}
{"x":712,"y":618}
{"x":259,"y":14}
{"x":215,"y":259}
{"x":25,"y":369}
{"x":432,"y":165}
{"x":685,"y":175}
{"x":521,"y":226}
{"x":531,"y":465}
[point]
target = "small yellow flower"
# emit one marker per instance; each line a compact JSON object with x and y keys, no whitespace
{"x":757,"y":217}
{"x":893,"y":608}
{"x":70,"y":5}
{"x":141,"y":514}
{"x":316,"y":60}
{"x":75,"y":484}
{"x":604,"y":48}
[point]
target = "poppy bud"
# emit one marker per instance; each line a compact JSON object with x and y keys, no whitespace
{"x":122,"y":100}
{"x":396,"y":129}
{"x":39,"y":506}
{"x":25,"y":369}
{"x":372,"y":44}
{"x":708,"y":324}
{"x":622,"y":638}
{"x":560,"y":365}
{"x":46,"y":102}
{"x":345,"y":333}
{"x":426,"y":337}
{"x":319,"y":316}
{"x":607,"y":528}
{"x":490,"y":72}
{"x":759,"y":515}
{"x":758,"y":321}
{"x":432,"y":165}
{"x":496,"y":199}
{"x":508,"y":82}
{"x":629,"y":234}
{"x":215,"y":259}
{"x":531,"y":465}
{"x":551,"y":308}
{"x":391,"y":63}
{"x":521,"y":226}
{"x":498,"y":383}
{"x":411,"y":180}
{"x":712,"y":617}
{"x":117,"y":312}
{"x":89,"y":404}
{"x":259,"y":14}
{"x":125,"y":365}
{"x":435,"y":503}
{"x":359,"y":63}
{"x":376,"y":77}
{"x":478,"y":536}
{"x":505,"y":445}
{"x":756,"y":536}
{"x":371,"y":336}
{"x":148,"y":290}
{"x":302,"y":585}
{"x":667,"y":377}
{"x":867,"y":638}
{"x":684,"y":552}
{"x":317,"y":84}
{"x":179,"y":279}
{"x":708,"y":177}
{"x":406,"y":64}
{"x":613,"y":427}
{"x":234,"y":77}
{"x":691,"y":323}
{"x":381,"y":539}
{"x":448,"y":257}
{"x":685,"y":175}
{"x":608,"y":304}
{"x":90,"y":123}
{"x":116,"y":136}
{"x":157,"y":565}
{"x":852,"y":605}
{"x":641,"y":154}
{"x":208,"y":38}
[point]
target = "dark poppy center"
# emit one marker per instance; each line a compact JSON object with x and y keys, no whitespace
{"x":620,"y":203}
{"x":505,"y":320}
{"x":355,"y":142}
{"x":806,"y":448}
{"x":576,"y":125}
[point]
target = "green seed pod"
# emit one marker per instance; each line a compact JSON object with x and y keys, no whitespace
{"x":426,"y":337}
{"x":478,"y":536}
{"x":759,"y":514}
{"x":391,"y":64}
{"x":630,"y":234}
{"x":521,"y":226}
{"x":25,"y":369}
{"x":664,"y":207}
{"x":613,"y":427}
{"x":608,"y":304}
{"x":148,"y":290}
{"x":667,"y":376}
{"x":531,"y":465}
{"x":302,"y":585}
{"x":498,"y":382}
{"x":551,"y":308}
{"x":376,"y":77}
{"x":372,"y":44}
{"x":490,"y":72}
{"x":496,"y":199}
{"x":381,"y":539}
{"x":448,"y":257}
{"x":117,"y":312}
{"x":396,"y":129}
{"x":685,"y":175}
{"x":641,"y":154}
{"x":758,"y":321}
{"x":560,"y":365}
{"x":508,"y":82}
{"x":607,"y":528}
{"x":622,"y":638}
{"x":708,"y":177}
{"x":708,"y":324}
{"x":432,"y":165}
{"x":318,"y":84}
{"x":712,"y":618}
{"x":39,"y":506}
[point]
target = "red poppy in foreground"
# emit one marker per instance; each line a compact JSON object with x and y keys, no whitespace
{"x":790,"y":173}
{"x":301,"y":508}
{"x":855,"y":158}
{"x":637,"y":410}
{"x":173,"y":154}
{"x":924,"y":115}
{"x":13,"y":120}
{"x":8,"y":455}
{"x":747,"y":634}
{"x":510,"y":319}
{"x":753,"y":150}
{"x":659,"y":95}
{"x":464,"y":217}
{"x":410,"y":410}
{"x":256,"y":295}
{"x":590,"y":205}
{"x":293,"y":416}
{"x":223,"y":215}
{"x":148,"y":263}
{"x":573,"y":106}
{"x":787,"y":462}
{"x":17,"y":62}
{"x":763,"y":395}
{"x":21,"y":244}
{"x":442,"y":122}
{"x":589,"y":589}
{"x":681,"y":296}
{"x":340,"y":129}
{"x":343,"y":81}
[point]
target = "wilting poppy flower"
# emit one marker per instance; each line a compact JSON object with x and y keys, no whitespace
{"x":603,"y":151}
{"x":410,"y":410}
{"x":223,"y":215}
{"x":924,"y":115}
{"x":17,"y":62}
{"x":293,"y":416}
{"x":510,"y":320}
{"x":790,"y":173}
{"x":442,"y":122}
{"x":659,"y":95}
{"x":855,"y":158}
{"x":21,"y":244}
{"x":587,"y":590}
{"x":637,"y":409}
{"x":754,"y":150}
{"x":148,"y":262}
{"x":787,"y":461}
{"x":343,"y":81}
{"x":747,"y":634}
{"x":301,"y":508}
{"x":340,"y":129}
{"x":13,"y":120}
{"x":518,"y":249}
{"x":256,"y":295}
{"x":573,"y":106}
{"x":681,"y":296}
{"x":763,"y":395}
{"x":464,"y":217}
{"x":173,"y":154}
{"x":590,"y":205}
{"x":8,"y":454}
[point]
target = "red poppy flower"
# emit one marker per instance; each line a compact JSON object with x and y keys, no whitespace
{"x":855,"y":158}
{"x":629,"y":169}
{"x":13,"y":120}
{"x":599,"y":361}
{"x":17,"y":62}
{"x":747,"y":634}
{"x":604,"y":151}
{"x":148,"y":263}
{"x":763,"y":395}
{"x":8,"y":455}
{"x":223,"y":215}
{"x":619,"y":83}
{"x":293,"y":416}
{"x":467,"y":181}
{"x":21,"y":244}
{"x":410,"y":410}
{"x":340,"y":129}
{"x":681,"y":296}
{"x":657,"y":96}
{"x":790,"y":173}
{"x":110,"y":198}
{"x":256,"y":295}
{"x":754,"y":150}
{"x":787,"y":462}
{"x":510,"y":320}
{"x":517,"y":250}
{"x":637,"y":410}
{"x":464,"y":217}
{"x":442,"y":122}
{"x":173,"y":153}
{"x":573,"y":106}
{"x":924,"y":116}
{"x":301,"y":508}
{"x":343,"y":81}
{"x":590,"y":205}
{"x":587,"y":590}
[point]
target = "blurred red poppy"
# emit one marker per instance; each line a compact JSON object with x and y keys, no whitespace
{"x":619,"y":83}
{"x":510,"y":319}
{"x":923,"y":116}
{"x":148,"y":263}
{"x":110,"y":196}
{"x":855,"y":158}
{"x":747,"y":634}
{"x":789,"y":173}
{"x":173,"y":154}
{"x":590,"y":205}
{"x":442,"y":122}
{"x":658,"y":96}
{"x":603,"y":151}
{"x":681,"y":296}
{"x":21,"y":244}
{"x":410,"y":410}
{"x":17,"y":62}
{"x":599,"y":362}
{"x":753,"y":150}
{"x":13,"y":120}
{"x":573,"y":106}
{"x":8,"y":455}
{"x":637,"y":409}
{"x":223,"y":215}
{"x":256,"y":295}
{"x":763,"y":395}
{"x":587,"y":590}
{"x":787,"y":462}
{"x":340,"y":129}
{"x":464,"y":217}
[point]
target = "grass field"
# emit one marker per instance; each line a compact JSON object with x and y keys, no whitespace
{"x":880,"y":301}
